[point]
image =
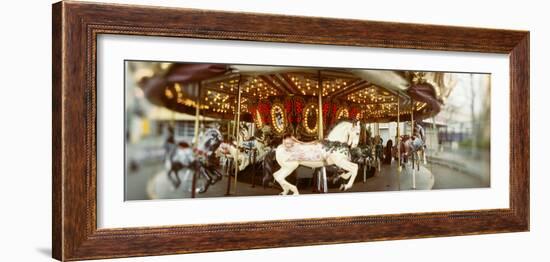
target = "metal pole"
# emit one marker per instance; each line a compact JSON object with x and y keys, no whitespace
{"x":325,"y":186}
{"x":320,"y":114}
{"x":234,"y":131}
{"x":237,"y":130}
{"x":412,"y":118}
{"x":413,"y":153}
{"x":436,"y":135}
{"x":196,"y":138}
{"x":364,"y":171}
{"x":379,"y":142}
{"x":398,"y":141}
{"x":228,"y":169}
{"x":228,"y":130}
{"x":227,"y":166}
{"x":320,"y":126}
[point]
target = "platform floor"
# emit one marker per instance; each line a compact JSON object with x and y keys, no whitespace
{"x":387,"y":179}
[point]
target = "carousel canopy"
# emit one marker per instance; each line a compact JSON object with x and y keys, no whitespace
{"x":367,"y":95}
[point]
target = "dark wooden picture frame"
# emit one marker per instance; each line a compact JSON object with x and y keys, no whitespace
{"x":76,"y":27}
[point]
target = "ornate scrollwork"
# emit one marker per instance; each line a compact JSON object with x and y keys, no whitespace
{"x":342,"y":113}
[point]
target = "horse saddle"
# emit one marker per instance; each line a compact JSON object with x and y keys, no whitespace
{"x":304,"y":151}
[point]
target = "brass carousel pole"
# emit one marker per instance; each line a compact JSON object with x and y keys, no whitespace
{"x":380,"y":142}
{"x":320,"y":126}
{"x":412,"y":134}
{"x":232,"y":134}
{"x":234,"y":129}
{"x":320,"y":114}
{"x":229,"y":163}
{"x":237,"y":131}
{"x":229,"y":131}
{"x":196,"y":138}
{"x":398,"y":142}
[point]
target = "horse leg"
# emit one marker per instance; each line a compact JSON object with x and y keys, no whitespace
{"x":217,"y":175}
{"x":204,"y":172}
{"x":415,"y":159}
{"x":419,"y":160}
{"x":172,"y":180}
{"x":267,"y":166}
{"x":280,"y":177}
{"x":350,"y":175}
{"x":176,"y":181}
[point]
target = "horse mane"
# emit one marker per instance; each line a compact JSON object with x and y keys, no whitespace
{"x":211,"y":129}
{"x":340,"y":121}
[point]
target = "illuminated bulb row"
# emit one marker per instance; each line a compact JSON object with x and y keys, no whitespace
{"x":304,"y":122}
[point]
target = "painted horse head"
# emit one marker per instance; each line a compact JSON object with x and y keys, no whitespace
{"x":347,"y":132}
{"x":210,"y":140}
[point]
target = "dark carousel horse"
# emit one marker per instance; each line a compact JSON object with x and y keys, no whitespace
{"x":201,"y":159}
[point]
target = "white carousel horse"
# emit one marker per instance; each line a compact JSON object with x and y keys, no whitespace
{"x":181,"y":157}
{"x":419,"y":130}
{"x":335,"y":150}
{"x":228,"y":151}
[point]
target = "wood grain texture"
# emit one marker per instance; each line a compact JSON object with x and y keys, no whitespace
{"x":75,"y":29}
{"x":57,"y":195}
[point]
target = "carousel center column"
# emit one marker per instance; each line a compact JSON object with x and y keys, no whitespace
{"x":398,"y":142}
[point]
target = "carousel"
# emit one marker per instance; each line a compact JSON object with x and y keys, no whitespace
{"x":270,"y":121}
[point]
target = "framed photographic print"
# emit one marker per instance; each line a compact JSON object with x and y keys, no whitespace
{"x":193,"y":131}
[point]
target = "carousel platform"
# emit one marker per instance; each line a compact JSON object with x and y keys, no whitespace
{"x":387,"y":179}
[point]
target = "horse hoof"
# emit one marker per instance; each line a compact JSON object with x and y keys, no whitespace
{"x":344,"y":187}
